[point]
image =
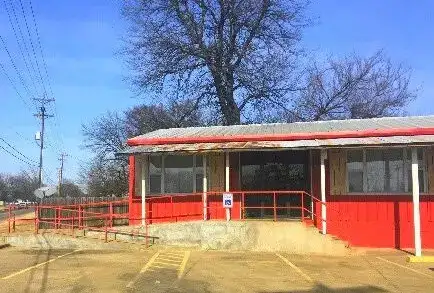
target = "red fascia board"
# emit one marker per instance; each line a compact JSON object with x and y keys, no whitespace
{"x":136,"y":141}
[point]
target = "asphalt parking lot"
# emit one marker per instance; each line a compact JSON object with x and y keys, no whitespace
{"x":166,"y":269}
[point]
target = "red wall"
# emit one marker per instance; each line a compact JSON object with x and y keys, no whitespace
{"x":383,"y":220}
{"x":362,"y":220}
{"x":181,"y":208}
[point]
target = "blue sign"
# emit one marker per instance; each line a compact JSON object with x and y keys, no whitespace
{"x":228,"y":200}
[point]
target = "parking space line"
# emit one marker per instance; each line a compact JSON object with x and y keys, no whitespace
{"x":38,"y":265}
{"x":297,"y":269}
{"x":170,"y":260}
{"x":174,"y":255}
{"x":166,"y":263}
{"x":404,"y":267}
{"x":149,"y":263}
{"x":183,"y":264}
{"x":143,"y":270}
{"x":171,"y":257}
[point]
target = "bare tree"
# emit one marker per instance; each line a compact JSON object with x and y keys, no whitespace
{"x":107,"y":174}
{"x":229,"y":55}
{"x":354,"y":87}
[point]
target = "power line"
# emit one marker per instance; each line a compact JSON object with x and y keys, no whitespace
{"x":14,"y":87}
{"x":18,"y":41}
{"x":48,"y":79}
{"x":33,"y":47}
{"x":15,"y":67}
{"x":12,"y":147}
{"x":40,"y":47}
{"x":18,"y":158}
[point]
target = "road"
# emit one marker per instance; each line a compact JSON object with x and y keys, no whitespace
{"x":4,"y":215}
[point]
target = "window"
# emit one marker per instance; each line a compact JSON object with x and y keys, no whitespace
{"x":178,"y":174}
{"x":175,"y":174}
{"x":355,"y":171}
{"x":199,"y":173}
{"x":155,"y":166}
{"x":382,"y":170}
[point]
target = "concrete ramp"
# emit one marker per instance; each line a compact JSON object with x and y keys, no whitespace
{"x":292,"y":237}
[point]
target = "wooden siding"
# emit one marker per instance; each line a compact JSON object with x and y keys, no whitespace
{"x":216,"y":172}
{"x":338,"y":171}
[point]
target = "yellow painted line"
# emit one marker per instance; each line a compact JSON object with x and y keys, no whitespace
{"x":297,"y":269}
{"x":183,"y":264}
{"x":149,"y":263}
{"x":170,"y":260}
{"x":172,"y":257}
{"x":166,"y":263}
{"x":180,"y":255}
{"x":38,"y":265}
{"x":426,"y":258}
{"x":175,"y":252}
{"x":404,"y":267}
{"x":158,"y":267}
{"x":144,"y":269}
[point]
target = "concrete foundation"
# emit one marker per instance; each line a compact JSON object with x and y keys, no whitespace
{"x":59,"y":241}
{"x":292,"y":237}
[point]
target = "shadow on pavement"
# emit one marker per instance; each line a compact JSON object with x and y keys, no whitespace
{"x":324,"y":289}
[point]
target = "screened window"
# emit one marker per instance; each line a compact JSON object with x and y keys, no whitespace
{"x":175,"y":174}
{"x":199,"y":173}
{"x":382,"y":170}
{"x":355,"y":171}
{"x":178,"y":174}
{"x":155,"y":167}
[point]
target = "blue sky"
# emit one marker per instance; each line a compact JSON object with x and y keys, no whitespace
{"x":80,"y":39}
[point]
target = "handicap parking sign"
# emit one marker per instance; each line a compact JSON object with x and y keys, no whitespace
{"x":228,"y":199}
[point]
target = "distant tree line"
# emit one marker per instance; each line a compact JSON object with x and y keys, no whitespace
{"x":23,"y":184}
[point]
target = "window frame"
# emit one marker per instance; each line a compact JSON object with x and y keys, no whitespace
{"x":406,"y":153}
{"x":163,"y":171}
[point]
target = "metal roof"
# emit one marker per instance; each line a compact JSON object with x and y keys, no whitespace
{"x":297,"y":127}
{"x":304,"y":144}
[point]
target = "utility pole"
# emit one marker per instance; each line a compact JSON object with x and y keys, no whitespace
{"x":62,"y":160}
{"x":42,"y":114}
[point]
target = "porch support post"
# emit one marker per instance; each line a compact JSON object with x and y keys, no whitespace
{"x":416,"y":210}
{"x":323,"y":192}
{"x":144,"y":172}
{"x":205,"y":189}
{"x":228,"y":211}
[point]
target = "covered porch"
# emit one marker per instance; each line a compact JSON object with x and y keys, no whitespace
{"x":272,"y":184}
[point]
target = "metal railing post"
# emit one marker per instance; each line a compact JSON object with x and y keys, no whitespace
{"x":302,"y":206}
{"x":13,"y":224}
{"x":243,"y":210}
{"x":274,"y":207}
{"x":105,"y":232}
{"x":111,"y":214}
{"x":80,"y":218}
{"x":55,"y":218}
{"x":9,"y":220}
{"x":146,"y":234}
{"x":171,"y":206}
{"x":59,"y":218}
{"x":36,"y":220}
{"x":72,"y":226}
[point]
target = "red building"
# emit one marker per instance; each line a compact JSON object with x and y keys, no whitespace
{"x":369,"y":182}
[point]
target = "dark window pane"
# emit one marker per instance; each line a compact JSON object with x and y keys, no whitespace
{"x":394,"y":170}
{"x":178,"y":176}
{"x":375,"y":171}
{"x":155,"y":174}
{"x":355,"y":170}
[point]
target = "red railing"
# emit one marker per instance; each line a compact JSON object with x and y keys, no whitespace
{"x":305,"y":206}
{"x":74,"y":220}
